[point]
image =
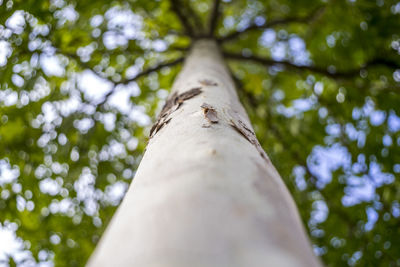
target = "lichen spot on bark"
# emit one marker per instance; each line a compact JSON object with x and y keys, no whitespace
{"x":213,"y":152}
{"x":207,"y":82}
{"x":209,"y":113}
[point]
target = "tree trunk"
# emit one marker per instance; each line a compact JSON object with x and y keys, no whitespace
{"x":205,"y":193}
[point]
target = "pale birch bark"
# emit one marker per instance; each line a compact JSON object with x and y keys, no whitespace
{"x":203,"y":194}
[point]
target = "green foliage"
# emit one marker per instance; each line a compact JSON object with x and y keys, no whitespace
{"x":80,"y":81}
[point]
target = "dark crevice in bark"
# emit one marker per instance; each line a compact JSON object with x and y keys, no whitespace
{"x":172,"y":104}
{"x":250,"y":136}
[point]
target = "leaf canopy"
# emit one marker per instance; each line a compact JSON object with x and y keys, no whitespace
{"x":80,"y":82}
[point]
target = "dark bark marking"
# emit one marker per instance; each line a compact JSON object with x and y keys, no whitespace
{"x":156,"y":127}
{"x":189,"y":94}
{"x":207,"y":82}
{"x":250,"y":136}
{"x":153,"y":128}
{"x":210,"y":113}
{"x":173,"y":103}
{"x":169,"y":104}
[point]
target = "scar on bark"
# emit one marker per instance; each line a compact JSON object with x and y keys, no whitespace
{"x":247,"y":133}
{"x":207,"y":82}
{"x":173,"y":103}
{"x":210,"y":113}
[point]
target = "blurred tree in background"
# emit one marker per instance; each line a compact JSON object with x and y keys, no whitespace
{"x":81,"y":80}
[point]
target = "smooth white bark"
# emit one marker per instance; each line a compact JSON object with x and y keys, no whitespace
{"x":203,"y":195}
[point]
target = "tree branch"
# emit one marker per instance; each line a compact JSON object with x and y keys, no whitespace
{"x":165,"y":26}
{"x":303,"y":19}
{"x":242,"y":91}
{"x":190,"y":13}
{"x":339,"y":74}
{"x":139,"y":75}
{"x":214,"y":17}
{"x":152,"y":69}
{"x":176,"y":6}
